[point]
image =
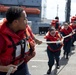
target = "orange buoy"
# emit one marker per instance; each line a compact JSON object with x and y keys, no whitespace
{"x":28,"y":10}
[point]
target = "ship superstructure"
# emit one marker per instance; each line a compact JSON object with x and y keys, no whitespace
{"x":39,"y":24}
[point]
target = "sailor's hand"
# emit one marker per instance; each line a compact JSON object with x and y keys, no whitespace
{"x":38,"y":41}
{"x":62,"y":41}
{"x":14,"y":68}
{"x":73,"y":32}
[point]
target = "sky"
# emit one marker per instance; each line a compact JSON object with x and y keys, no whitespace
{"x":52,"y":6}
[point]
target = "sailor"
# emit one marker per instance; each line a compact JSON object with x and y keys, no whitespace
{"x":66,"y":30}
{"x":53,"y":49}
{"x":14,"y":46}
{"x":73,"y":25}
{"x":56,"y":23}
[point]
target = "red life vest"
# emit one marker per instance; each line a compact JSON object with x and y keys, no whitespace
{"x":56,"y":24}
{"x":16,"y":46}
{"x":73,"y":18}
{"x":28,"y":28}
{"x":53,"y":23}
{"x":30,"y":37}
{"x":53,"y":38}
{"x":66,"y":32}
{"x":73,"y":26}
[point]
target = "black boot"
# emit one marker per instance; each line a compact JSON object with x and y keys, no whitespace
{"x":49,"y":70}
{"x":57,"y":65}
{"x":67,"y":56}
{"x":64,"y":53}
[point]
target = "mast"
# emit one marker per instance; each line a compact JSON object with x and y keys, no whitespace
{"x":57,"y":9}
{"x":67,"y":10}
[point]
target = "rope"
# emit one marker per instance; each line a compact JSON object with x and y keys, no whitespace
{"x":52,"y":41}
{"x":11,"y":69}
{"x":59,"y":40}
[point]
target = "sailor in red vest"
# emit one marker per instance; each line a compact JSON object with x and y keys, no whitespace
{"x":66,"y":30}
{"x":14,"y":46}
{"x":53,"y":49}
{"x":32,"y":35}
{"x":56,"y":23}
{"x":32,"y":40}
{"x":73,"y":18}
{"x":73,"y":25}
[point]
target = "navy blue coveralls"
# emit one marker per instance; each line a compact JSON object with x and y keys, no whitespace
{"x":53,"y":49}
{"x":53,"y":52}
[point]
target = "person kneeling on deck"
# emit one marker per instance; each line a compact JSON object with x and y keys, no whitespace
{"x":53,"y":49}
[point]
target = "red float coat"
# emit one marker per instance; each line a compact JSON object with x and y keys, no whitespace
{"x":6,"y":46}
{"x":73,"y":26}
{"x":56,"y":24}
{"x":73,"y":18}
{"x":65,"y":32}
{"x":53,"y":46}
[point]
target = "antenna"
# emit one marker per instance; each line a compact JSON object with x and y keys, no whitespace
{"x":57,"y":9}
